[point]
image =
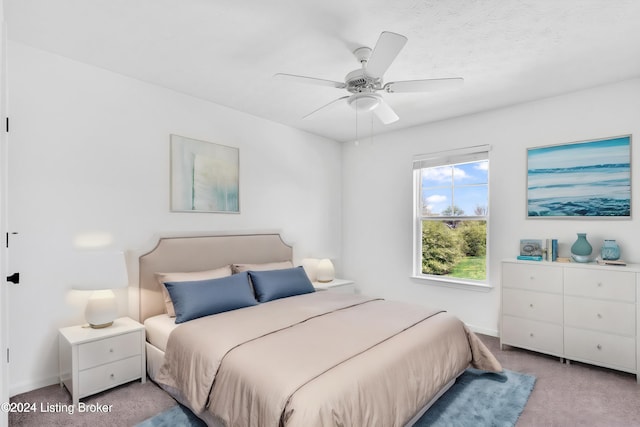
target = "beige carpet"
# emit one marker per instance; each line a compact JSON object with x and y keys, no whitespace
{"x":564,"y":396}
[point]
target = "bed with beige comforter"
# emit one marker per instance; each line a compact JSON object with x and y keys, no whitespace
{"x":319,"y":359}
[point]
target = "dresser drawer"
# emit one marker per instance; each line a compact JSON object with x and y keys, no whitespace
{"x":601,"y":349}
{"x":606,"y":284}
{"x":108,"y":350}
{"x":605,"y":316}
{"x":532,"y":305}
{"x":531,"y":334}
{"x":102,"y":377}
{"x":544,"y":278}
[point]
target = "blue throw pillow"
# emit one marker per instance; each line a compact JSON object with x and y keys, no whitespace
{"x":205,"y":297}
{"x":274,"y":284}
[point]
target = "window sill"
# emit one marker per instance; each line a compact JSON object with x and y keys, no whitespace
{"x":452,"y":283}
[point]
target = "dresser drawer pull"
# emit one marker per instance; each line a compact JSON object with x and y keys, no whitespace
{"x":599,"y":347}
{"x":531,"y":305}
{"x":112,"y":376}
{"x":531,"y":334}
{"x":599,"y":316}
{"x":110,"y":350}
{"x":599,"y":284}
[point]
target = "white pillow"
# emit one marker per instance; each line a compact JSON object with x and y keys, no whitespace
{"x":280,"y":265}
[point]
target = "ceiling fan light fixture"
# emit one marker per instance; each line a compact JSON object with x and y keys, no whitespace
{"x":363,"y":102}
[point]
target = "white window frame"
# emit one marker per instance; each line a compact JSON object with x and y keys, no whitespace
{"x":443,"y":158}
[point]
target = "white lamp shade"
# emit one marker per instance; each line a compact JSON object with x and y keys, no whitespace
{"x":310,"y":266}
{"x":95,"y":270}
{"x":325,"y":272}
{"x":100,"y":272}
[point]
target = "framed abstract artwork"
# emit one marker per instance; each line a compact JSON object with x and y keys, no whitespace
{"x":580,"y":179}
{"x":204,"y":176}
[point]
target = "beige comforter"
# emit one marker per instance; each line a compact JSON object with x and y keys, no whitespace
{"x":321,"y":359}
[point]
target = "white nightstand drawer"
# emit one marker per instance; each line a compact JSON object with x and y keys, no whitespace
{"x":532,"y":305}
{"x":108,"y":350}
{"x":531,"y":334}
{"x":600,"y":348}
{"x":605,"y":284}
{"x":535,"y":277}
{"x":110,"y":375}
{"x":605,"y":316}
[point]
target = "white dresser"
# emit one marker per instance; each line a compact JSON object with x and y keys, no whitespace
{"x":581,"y":312}
{"x":93,"y":360}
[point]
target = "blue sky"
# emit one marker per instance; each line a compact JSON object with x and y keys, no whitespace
{"x":469,"y":187}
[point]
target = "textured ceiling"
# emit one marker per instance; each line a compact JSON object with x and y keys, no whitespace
{"x":227,"y":51}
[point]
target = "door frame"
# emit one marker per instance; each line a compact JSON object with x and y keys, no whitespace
{"x":4,"y":295}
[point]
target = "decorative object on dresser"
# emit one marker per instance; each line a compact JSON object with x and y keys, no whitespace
{"x":100,"y":272}
{"x":205,"y":176}
{"x":580,"y":179}
{"x":336,"y":285}
{"x":576,"y":311}
{"x":581,"y":249}
{"x":94,"y":360}
{"x":325,"y":271}
{"x":531,"y":250}
{"x":610,"y":251}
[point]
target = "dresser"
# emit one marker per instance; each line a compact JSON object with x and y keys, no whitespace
{"x":93,"y":360}
{"x":580,"y":312}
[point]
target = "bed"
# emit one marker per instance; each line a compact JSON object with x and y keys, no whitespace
{"x":309,"y":358}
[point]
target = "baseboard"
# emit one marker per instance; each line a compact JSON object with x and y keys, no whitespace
{"x":15,"y":389}
{"x":484,"y":331}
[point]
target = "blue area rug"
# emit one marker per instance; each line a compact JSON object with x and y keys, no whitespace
{"x":177,"y":416}
{"x":480,"y":398}
{"x":477,"y":398}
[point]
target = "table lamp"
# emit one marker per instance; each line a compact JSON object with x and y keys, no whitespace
{"x":100,"y":272}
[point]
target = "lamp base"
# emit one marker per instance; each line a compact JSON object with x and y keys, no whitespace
{"x":101,"y":309}
{"x":104,"y":325}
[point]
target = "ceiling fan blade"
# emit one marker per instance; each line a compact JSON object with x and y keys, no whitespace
{"x":310,"y":80}
{"x":386,"y":49}
{"x":334,"y":102}
{"x":423,"y":85}
{"x":385,"y":113}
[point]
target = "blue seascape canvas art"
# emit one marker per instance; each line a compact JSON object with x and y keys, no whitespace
{"x":586,"y":179}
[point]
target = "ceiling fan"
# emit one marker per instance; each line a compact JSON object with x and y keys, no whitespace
{"x":365,"y":82}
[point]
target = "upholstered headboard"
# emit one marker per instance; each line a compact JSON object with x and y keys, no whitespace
{"x":198,"y":253}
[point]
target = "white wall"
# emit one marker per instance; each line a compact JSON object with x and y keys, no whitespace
{"x":377,"y":193}
{"x":89,"y":152}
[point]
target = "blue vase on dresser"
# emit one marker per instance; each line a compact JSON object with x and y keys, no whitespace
{"x":581,"y":249}
{"x":610,"y":251}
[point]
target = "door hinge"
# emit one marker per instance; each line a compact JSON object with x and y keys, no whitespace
{"x":7,"y":354}
{"x":14,"y":278}
{"x":7,"y":124}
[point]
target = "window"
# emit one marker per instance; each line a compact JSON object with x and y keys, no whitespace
{"x":451,"y":213}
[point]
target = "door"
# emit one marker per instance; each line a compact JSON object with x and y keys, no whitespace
{"x":4,"y":303}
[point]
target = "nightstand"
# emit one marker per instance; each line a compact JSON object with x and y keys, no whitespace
{"x":337,"y":285}
{"x":93,"y":360}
